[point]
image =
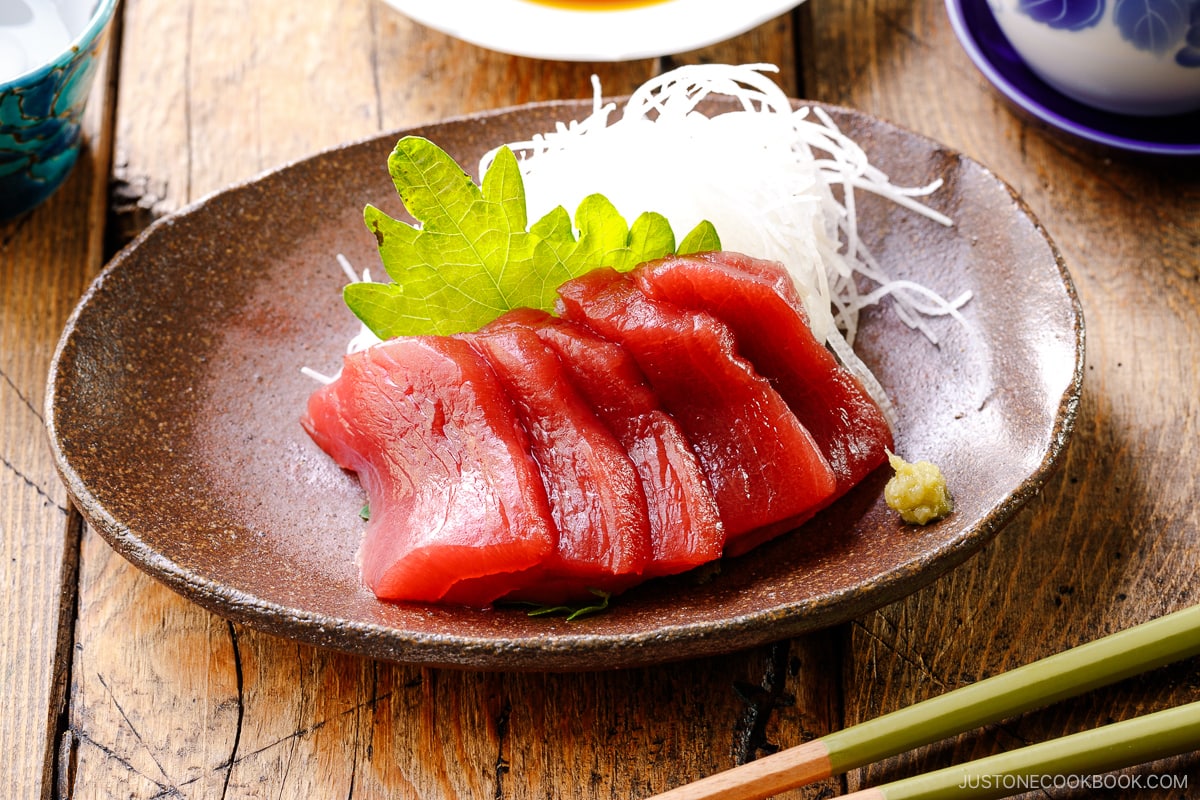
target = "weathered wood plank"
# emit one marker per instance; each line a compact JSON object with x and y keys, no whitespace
{"x":46,"y":261}
{"x":1113,"y":539}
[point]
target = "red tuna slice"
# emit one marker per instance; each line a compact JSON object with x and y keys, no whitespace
{"x":685,"y":528}
{"x":596,"y":498}
{"x":764,"y":468}
{"x":759,"y":302}
{"x":457,"y":503}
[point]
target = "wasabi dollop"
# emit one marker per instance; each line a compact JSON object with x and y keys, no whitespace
{"x":917,"y":491}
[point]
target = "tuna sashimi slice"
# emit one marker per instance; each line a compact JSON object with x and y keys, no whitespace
{"x":759,"y":302}
{"x":457,"y":506}
{"x":685,"y":528}
{"x":595,"y":494}
{"x":764,"y":468}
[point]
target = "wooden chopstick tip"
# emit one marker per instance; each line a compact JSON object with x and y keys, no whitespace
{"x":761,"y":778}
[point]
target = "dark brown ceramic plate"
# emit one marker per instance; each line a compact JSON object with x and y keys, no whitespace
{"x":176,"y":391}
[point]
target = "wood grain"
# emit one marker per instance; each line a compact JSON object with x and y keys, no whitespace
{"x":47,"y":259}
{"x":166,"y":700}
{"x":1112,"y":540}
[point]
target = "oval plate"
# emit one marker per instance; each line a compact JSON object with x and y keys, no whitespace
{"x":176,"y":390}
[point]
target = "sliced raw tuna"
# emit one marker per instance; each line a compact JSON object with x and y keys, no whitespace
{"x":758,"y":302}
{"x":457,"y":506}
{"x":685,"y":528}
{"x":765,"y":470}
{"x":595,"y":493}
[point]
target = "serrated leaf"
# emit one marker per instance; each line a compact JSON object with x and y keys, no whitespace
{"x":394,"y":238}
{"x":470,"y":258}
{"x":650,"y":238}
{"x":555,"y":227}
{"x":701,"y":239}
{"x":603,"y":237}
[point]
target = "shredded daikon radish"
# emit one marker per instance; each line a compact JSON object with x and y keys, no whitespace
{"x":361,"y":340}
{"x":778,"y":183}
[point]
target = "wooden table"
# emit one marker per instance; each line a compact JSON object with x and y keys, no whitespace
{"x":112,"y":686}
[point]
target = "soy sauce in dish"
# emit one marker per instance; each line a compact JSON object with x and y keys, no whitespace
{"x":597,"y":5}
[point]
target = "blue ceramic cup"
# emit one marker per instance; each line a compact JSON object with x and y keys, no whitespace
{"x":49,"y":53}
{"x":1137,"y":57}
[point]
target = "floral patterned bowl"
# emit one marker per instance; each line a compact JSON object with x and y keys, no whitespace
{"x":41,"y":108}
{"x":1139,"y":57}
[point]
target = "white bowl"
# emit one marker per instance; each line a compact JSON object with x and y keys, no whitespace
{"x":534,"y":30}
{"x":1140,"y":58}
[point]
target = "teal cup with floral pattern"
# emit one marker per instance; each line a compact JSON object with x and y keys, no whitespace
{"x":49,"y":54}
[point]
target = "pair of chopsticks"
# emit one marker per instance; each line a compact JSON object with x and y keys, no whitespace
{"x":1136,"y":741}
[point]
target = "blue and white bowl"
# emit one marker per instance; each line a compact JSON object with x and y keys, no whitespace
{"x":1139,"y":57}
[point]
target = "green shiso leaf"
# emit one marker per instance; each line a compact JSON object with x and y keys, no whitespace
{"x":702,"y":239}
{"x":572,"y":611}
{"x":473,"y":255}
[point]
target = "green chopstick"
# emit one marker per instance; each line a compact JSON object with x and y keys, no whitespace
{"x":1054,"y":764}
{"x":1121,"y":655}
